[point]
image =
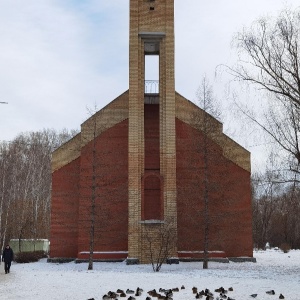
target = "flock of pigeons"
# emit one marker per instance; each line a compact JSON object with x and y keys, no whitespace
{"x":167,"y":294}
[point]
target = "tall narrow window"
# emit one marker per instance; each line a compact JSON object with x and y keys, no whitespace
{"x":151,"y":74}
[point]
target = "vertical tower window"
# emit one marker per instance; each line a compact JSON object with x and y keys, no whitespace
{"x":151,"y":74}
{"x":151,"y":67}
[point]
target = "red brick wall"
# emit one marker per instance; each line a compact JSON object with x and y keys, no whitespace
{"x":230,"y":228}
{"x":111,"y":169}
{"x":64,"y":211}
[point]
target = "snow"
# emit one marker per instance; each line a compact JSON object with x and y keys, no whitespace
{"x":274,"y":270}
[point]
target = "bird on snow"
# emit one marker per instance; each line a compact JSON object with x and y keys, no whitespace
{"x":131,"y":298}
{"x":281,"y":296}
{"x":112,"y":295}
{"x":195,"y":290}
{"x":220,"y":290}
{"x":119,"y":291}
{"x":230,"y":289}
{"x":207,"y":292}
{"x":253,"y":295}
{"x":123,"y":295}
{"x":128,"y":291}
{"x":138,"y":292}
{"x":153,"y":293}
{"x":182,"y":287}
{"x":106,"y":297}
{"x":271,"y":292}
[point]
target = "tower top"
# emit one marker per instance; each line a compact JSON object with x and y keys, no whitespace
{"x":152,"y":15}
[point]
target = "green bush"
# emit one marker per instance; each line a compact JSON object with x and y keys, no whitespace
{"x":27,"y":257}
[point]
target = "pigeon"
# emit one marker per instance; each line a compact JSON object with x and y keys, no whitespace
{"x":208,"y":293}
{"x":106,"y":297}
{"x":120,"y":291}
{"x":230,"y":289}
{"x":169,"y":293}
{"x":153,"y":293}
{"x":123,"y":295}
{"x":253,"y":295}
{"x":175,"y":289}
{"x":182,"y":287}
{"x":148,"y":298}
{"x":220,"y":290}
{"x":271,"y":292}
{"x":131,"y":298}
{"x":112,"y":295}
{"x":128,"y":291}
{"x":195,"y":290}
{"x":281,"y":296}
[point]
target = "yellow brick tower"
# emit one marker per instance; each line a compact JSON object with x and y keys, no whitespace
{"x":151,"y":33}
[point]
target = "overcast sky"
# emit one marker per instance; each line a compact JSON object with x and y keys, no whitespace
{"x":58,"y":57}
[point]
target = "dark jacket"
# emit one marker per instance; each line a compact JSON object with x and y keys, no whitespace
{"x":8,"y":255}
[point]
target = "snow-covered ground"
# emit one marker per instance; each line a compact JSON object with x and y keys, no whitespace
{"x":274,"y":270}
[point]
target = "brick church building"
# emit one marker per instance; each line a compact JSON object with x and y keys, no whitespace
{"x":142,"y":167}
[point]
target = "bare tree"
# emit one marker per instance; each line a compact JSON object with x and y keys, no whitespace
{"x":161,"y":240}
{"x":93,"y":194}
{"x":269,"y":60}
{"x":275,"y":208}
{"x":25,"y":177}
{"x":207,"y":123}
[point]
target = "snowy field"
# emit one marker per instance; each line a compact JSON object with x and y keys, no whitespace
{"x":274,"y":270}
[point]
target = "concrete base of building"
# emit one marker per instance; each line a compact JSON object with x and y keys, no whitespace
{"x":212,"y":259}
{"x":173,"y":261}
{"x":79,"y":261}
{"x":132,"y":261}
{"x":60,"y":260}
{"x":170,"y":261}
{"x":242,"y":259}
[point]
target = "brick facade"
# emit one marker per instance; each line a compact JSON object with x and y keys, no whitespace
{"x":146,"y":155}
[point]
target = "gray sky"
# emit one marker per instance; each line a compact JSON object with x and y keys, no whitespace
{"x":58,"y":57}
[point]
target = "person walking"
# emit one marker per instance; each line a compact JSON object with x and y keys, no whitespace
{"x":7,"y":257}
